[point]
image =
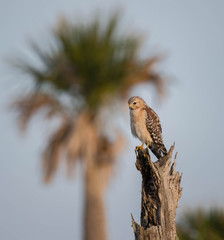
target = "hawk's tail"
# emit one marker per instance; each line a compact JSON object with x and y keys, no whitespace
{"x":156,"y":153}
{"x":160,"y":151}
{"x":163,"y":149}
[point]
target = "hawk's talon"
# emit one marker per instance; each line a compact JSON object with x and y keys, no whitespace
{"x":140,"y":147}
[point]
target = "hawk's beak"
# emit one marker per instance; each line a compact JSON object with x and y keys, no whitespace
{"x":131,"y":106}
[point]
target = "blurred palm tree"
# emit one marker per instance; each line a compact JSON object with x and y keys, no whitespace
{"x":202,"y":225}
{"x":91,"y":67}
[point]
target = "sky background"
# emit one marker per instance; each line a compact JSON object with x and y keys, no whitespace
{"x":191,"y":33}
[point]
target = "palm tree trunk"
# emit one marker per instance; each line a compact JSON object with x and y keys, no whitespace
{"x":161,"y":192}
{"x":95,"y":222}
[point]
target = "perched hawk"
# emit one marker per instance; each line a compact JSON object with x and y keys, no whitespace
{"x":145,"y":125}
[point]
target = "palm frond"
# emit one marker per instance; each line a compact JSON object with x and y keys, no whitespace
{"x":85,"y":143}
{"x":93,"y":61}
{"x":54,"y":150}
{"x":29,"y":105}
{"x":202,"y":224}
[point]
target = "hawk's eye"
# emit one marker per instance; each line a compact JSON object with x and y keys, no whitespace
{"x":134,"y":103}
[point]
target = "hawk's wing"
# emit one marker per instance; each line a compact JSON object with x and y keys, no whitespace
{"x":153,"y":126}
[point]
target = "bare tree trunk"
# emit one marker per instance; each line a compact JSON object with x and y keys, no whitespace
{"x":95,"y":220}
{"x":161,"y":192}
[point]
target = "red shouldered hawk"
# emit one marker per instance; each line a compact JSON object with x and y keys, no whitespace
{"x":145,"y":125}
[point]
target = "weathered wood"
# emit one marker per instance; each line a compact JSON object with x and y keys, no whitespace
{"x":161,"y":192}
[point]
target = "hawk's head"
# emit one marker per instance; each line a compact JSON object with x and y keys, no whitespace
{"x":135,"y":103}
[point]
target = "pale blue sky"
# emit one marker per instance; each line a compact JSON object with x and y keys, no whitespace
{"x":192,"y":34}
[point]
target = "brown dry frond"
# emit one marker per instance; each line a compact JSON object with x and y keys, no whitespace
{"x":79,"y":139}
{"x":85,"y":143}
{"x":29,"y":105}
{"x":54,"y":150}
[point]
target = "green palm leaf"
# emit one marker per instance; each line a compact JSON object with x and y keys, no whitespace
{"x":202,"y":225}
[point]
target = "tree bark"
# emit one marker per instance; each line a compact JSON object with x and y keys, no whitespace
{"x":95,"y":220}
{"x":161,"y":192}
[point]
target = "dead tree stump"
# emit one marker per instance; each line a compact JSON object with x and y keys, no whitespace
{"x":161,"y":192}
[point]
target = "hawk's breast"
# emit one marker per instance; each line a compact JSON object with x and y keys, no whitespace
{"x":138,"y":125}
